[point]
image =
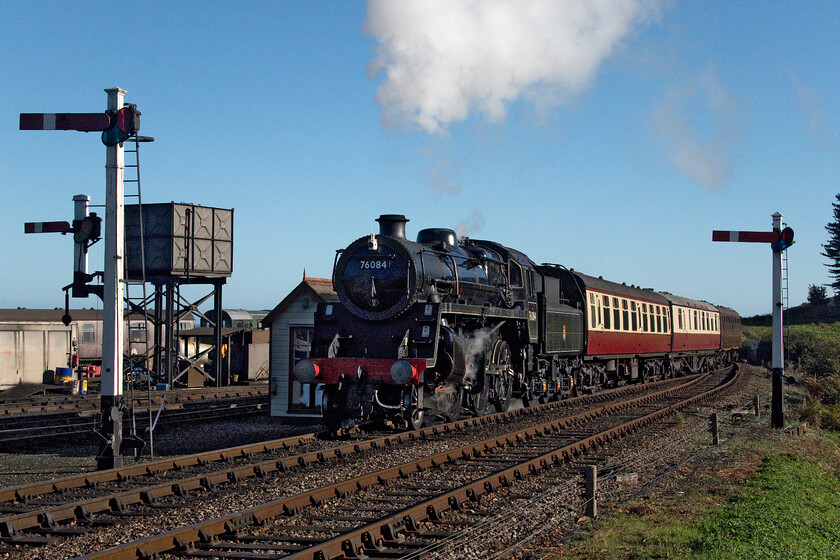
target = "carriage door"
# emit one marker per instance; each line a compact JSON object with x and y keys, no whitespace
{"x":303,"y":397}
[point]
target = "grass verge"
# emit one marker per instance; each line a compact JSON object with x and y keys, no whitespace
{"x":769,"y":495}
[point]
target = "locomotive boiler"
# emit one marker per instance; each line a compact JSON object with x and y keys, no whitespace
{"x":429,"y":329}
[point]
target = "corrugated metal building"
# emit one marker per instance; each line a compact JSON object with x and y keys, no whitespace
{"x":291,"y":324}
{"x":33,"y":342}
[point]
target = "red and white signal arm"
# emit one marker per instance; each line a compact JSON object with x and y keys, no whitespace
{"x":83,"y":122}
{"x":46,"y":227}
{"x":746,"y":236}
{"x":779,"y":240}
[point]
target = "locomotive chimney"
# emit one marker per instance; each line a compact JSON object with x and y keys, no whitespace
{"x":393,"y":225}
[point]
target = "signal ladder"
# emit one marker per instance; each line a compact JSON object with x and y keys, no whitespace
{"x":785,"y":303}
{"x":136,"y":367}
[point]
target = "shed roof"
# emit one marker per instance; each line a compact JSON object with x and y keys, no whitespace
{"x":237,"y":314}
{"x":320,"y":289}
{"x":24,"y":315}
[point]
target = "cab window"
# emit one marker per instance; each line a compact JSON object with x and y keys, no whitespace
{"x":515,"y":274}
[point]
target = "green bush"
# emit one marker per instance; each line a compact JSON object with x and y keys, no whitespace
{"x":825,"y":416}
{"x":812,"y":351}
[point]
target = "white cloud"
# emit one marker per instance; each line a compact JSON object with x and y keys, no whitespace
{"x":445,"y":59}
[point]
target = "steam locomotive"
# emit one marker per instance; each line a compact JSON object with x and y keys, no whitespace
{"x":427,"y":330}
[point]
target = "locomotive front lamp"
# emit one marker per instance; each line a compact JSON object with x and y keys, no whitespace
{"x":125,"y":122}
{"x":402,"y":372}
{"x":306,"y":371}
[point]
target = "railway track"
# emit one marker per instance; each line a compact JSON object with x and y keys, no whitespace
{"x":32,"y":421}
{"x":383,"y":492}
{"x":71,"y":403}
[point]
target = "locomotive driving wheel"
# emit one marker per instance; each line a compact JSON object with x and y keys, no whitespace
{"x":478,"y":399}
{"x":331,"y":410}
{"x":503,"y":380}
{"x":414,"y":413}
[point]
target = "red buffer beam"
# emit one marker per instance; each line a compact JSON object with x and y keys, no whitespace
{"x":746,"y":236}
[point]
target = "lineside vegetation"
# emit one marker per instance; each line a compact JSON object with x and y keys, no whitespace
{"x":812,"y":358}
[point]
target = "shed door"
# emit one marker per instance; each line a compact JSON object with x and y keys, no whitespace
{"x":33,"y":357}
{"x":58,"y":353}
{"x":9,"y":372}
{"x":303,"y":397}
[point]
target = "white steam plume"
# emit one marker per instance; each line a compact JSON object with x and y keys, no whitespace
{"x":698,"y":125}
{"x":443,"y":59}
{"x":811,"y":103}
{"x":472,"y":225}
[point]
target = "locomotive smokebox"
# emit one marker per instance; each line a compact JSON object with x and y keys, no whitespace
{"x":393,"y":225}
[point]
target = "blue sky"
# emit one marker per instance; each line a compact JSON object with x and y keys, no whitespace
{"x":610,"y":141}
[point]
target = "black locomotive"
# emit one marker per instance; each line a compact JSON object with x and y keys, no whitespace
{"x":427,"y":329}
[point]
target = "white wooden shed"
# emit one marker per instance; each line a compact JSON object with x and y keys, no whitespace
{"x":291,"y":323}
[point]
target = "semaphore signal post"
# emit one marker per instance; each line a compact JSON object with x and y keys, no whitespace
{"x":118,"y":123}
{"x":779,"y":239}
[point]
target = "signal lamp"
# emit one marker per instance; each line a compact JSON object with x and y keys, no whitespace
{"x":88,"y":229}
{"x":124,"y":123}
{"x":785,"y":240}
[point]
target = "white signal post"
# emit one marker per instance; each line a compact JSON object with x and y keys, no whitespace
{"x":780,"y":240}
{"x":80,"y":256}
{"x":777,"y":411}
{"x":112,"y":290}
{"x":112,"y":299}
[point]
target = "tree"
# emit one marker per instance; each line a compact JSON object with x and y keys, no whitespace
{"x":817,"y":295}
{"x":832,"y":248}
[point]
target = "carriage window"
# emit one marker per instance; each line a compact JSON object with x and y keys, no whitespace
{"x":666,"y":316}
{"x":515,"y":274}
{"x":625,"y":315}
{"x":658,"y":319}
{"x":644,"y":317}
{"x":616,"y":314}
{"x":634,"y":314}
{"x":600,"y":321}
{"x":607,"y":316}
{"x":137,"y":333}
{"x":88,"y":334}
{"x":680,"y":319}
